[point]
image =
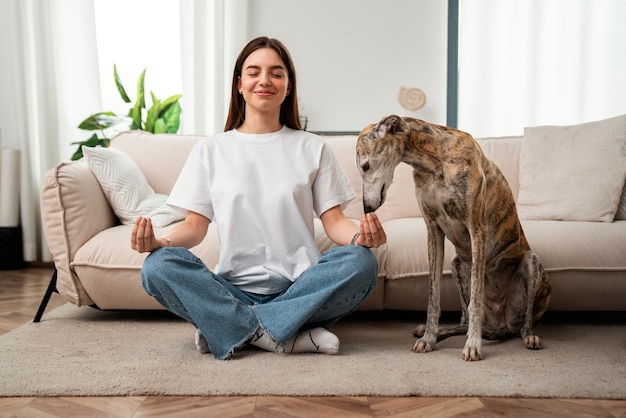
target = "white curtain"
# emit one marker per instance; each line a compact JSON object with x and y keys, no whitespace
{"x":50,"y":75}
{"x":49,"y":82}
{"x":212,"y":33}
{"x":536,"y":62}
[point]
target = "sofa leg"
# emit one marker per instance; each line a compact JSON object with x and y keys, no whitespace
{"x":52,"y":287}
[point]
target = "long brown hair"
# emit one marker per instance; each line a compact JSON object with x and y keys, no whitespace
{"x":289,"y":114}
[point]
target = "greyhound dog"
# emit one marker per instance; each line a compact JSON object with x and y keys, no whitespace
{"x":463,"y":196}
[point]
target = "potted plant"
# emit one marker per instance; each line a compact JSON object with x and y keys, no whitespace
{"x":161,"y":117}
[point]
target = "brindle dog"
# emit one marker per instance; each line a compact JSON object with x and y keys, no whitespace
{"x":464,"y":196}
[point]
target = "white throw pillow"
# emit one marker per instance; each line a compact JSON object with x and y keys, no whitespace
{"x":127,"y":189}
{"x":573,"y":173}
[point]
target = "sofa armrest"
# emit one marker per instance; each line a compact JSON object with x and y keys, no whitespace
{"x":73,"y":210}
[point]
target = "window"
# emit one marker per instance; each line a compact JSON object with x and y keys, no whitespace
{"x":135,"y":35}
{"x":555,"y":62}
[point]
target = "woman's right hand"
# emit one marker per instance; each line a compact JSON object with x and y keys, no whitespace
{"x":142,"y":238}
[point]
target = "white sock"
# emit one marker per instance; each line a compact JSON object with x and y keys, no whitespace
{"x":316,"y":340}
{"x":262,"y":340}
{"x":201,"y":344}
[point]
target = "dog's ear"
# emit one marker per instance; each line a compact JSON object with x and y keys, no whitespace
{"x":393,"y":124}
{"x":396,"y":125}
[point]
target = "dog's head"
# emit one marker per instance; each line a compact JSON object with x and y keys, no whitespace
{"x":378,"y":152}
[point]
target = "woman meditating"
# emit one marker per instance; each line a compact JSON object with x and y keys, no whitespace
{"x":261,"y":181}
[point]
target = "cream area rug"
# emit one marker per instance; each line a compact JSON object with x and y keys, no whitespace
{"x":86,"y":352}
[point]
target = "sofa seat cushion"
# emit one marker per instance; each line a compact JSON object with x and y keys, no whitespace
{"x":108,"y":257}
{"x":569,"y":245}
{"x":376,"y":299}
{"x":406,"y":267}
{"x":583,"y":277}
{"x":566,"y":250}
{"x":559,"y":244}
{"x":407,"y":255}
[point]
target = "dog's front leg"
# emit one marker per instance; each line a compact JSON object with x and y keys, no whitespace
{"x":436,"y":239}
{"x":476,"y":309}
{"x":538,"y":290}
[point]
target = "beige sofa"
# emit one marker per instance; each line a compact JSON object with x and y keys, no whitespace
{"x":586,"y":260}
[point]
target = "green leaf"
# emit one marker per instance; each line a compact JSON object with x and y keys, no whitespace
{"x":99,"y":121}
{"x":135,"y":114}
{"x":159,"y":126}
{"x":172,"y":118}
{"x":161,"y":117}
{"x":153,"y":114}
{"x":167,"y":103}
{"x":154,"y":97}
{"x":120,"y":86}
{"x":77,"y":155}
{"x":140,"y":90}
{"x":93,"y":141}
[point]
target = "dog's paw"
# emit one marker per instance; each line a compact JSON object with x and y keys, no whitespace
{"x":419,"y":331}
{"x":471,"y":353}
{"x":422,"y":346}
{"x":533,"y":342}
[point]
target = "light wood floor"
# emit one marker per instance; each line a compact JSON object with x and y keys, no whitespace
{"x":21,"y":292}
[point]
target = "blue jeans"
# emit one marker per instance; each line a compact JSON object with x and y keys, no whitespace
{"x":228,"y":317}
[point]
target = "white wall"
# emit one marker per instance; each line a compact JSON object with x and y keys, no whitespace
{"x":352,"y":56}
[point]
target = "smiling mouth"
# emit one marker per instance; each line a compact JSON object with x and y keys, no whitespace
{"x":264,"y":93}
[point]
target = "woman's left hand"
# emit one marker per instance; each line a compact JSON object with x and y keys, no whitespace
{"x":371,"y":232}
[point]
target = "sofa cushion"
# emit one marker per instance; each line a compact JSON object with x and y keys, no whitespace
{"x":108,"y":258}
{"x":159,"y":156}
{"x":572,"y":245}
{"x":504,"y":152}
{"x":586,"y":262}
{"x":621,"y":209}
{"x":110,"y":271}
{"x":376,"y":299}
{"x":568,"y":251}
{"x":398,"y":203}
{"x":127,"y":189}
{"x":573,"y":173}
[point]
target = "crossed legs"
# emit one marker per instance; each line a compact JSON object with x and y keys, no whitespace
{"x":295,"y":320}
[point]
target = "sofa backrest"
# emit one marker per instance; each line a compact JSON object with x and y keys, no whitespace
{"x":400,"y":201}
{"x":161,"y":157}
{"x":505,"y":152}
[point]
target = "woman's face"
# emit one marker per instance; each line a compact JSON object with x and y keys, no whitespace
{"x":264,"y":81}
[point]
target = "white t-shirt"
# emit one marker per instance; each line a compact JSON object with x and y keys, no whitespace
{"x":261,"y":192}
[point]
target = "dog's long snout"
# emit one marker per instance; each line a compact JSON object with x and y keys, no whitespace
{"x":369,"y":204}
{"x":368,"y":208}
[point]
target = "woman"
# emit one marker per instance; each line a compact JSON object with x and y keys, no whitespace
{"x":260,"y":182}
